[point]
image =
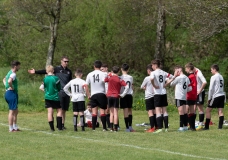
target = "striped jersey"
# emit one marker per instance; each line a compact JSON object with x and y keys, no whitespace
{"x":181,"y":84}
{"x":149,"y":89}
{"x":129,"y":81}
{"x":77,"y":86}
{"x":159,"y":76}
{"x":216,"y":88}
{"x":96,"y":81}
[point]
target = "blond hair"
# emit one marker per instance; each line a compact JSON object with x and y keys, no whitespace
{"x":49,"y":68}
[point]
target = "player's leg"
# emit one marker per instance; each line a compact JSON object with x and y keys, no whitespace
{"x":115,"y":119}
{"x":94,"y":116}
{"x":10,"y":120}
{"x":208,"y":117}
{"x":185,"y":117}
{"x":50,"y":118}
{"x":192,"y":117}
{"x":166,"y":118}
{"x":102,"y":103}
{"x":75,"y":116}
{"x":201,"y":116}
{"x":182,"y":119}
{"x":123,"y":105}
{"x":59,"y":117}
{"x":15,"y":113}
{"x":159,"y":119}
{"x":150,"y":110}
{"x":111,"y":109}
{"x":107,"y":112}
{"x":130,"y":116}
{"x":81,"y":113}
{"x":220,"y":111}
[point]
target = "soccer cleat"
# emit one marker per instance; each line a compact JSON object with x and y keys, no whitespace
{"x":64,"y":128}
{"x":158,"y":131}
{"x":199,"y":128}
{"x":104,"y":130}
{"x":128,"y":130}
{"x":75,"y":129}
{"x":17,"y":130}
{"x":12,"y":130}
{"x":131,"y":129}
{"x":166,"y":130}
{"x":150,"y":130}
{"x":185,"y":128}
{"x":205,"y":129}
{"x":111,"y":129}
{"x":181,"y":129}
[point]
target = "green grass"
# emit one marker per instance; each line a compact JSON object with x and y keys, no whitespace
{"x":39,"y":143}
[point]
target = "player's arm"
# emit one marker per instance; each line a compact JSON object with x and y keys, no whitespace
{"x":66,"y":89}
{"x":126,"y":88}
{"x":87,"y":88}
{"x":172,"y":79}
{"x":143,"y":85}
{"x":10,"y":82}
{"x":211,"y":89}
{"x":189,"y":87}
{"x":202,"y":78}
{"x":4,"y":81}
{"x":33,"y":71}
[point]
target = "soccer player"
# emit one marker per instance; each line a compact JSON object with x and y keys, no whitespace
{"x":191,"y":96}
{"x":181,"y":83}
{"x":149,"y":99}
{"x":104,"y":68}
{"x":11,"y":95}
{"x":78,"y":87}
{"x":65,"y":75}
{"x":126,"y":102}
{"x":201,"y":83}
{"x":113,"y":94}
{"x":98,"y":98}
{"x":158,"y":78}
{"x":216,"y":96}
{"x":51,"y":88}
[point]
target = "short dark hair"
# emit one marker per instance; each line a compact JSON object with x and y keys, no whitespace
{"x":189,"y":65}
{"x":125,"y":67}
{"x":64,"y":57}
{"x":15,"y":63}
{"x":78,"y":71}
{"x":149,"y":67}
{"x":215,"y":66}
{"x":178,"y":67}
{"x":157,"y":62}
{"x":115,"y":69}
{"x":97,"y":64}
{"x":104,"y":65}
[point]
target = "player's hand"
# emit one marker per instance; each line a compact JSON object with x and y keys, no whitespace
{"x":10,"y":88}
{"x":198,"y":92}
{"x":121,"y":95}
{"x":31,"y":71}
{"x":144,"y":88}
{"x":208,"y":103}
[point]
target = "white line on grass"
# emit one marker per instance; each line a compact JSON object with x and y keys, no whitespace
{"x":119,"y":144}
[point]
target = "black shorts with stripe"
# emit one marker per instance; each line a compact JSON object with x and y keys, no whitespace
{"x":126,"y":101}
{"x":160,"y":100}
{"x":217,"y":102}
{"x":79,"y":106}
{"x":113,"y":102}
{"x":99,"y":100}
{"x":200,"y":98}
{"x":150,"y":104}
{"x":52,"y":104}
{"x":180,"y":102}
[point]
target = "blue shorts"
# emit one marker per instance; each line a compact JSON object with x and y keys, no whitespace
{"x":11,"y":98}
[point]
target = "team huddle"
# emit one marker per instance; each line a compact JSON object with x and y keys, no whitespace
{"x":108,"y":91}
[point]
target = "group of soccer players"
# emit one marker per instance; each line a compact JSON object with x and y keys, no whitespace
{"x":109,"y":92}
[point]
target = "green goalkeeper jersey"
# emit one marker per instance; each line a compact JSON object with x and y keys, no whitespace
{"x":51,"y":87}
{"x":12,"y":75}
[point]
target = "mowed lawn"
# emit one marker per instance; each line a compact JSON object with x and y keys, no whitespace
{"x":37,"y":142}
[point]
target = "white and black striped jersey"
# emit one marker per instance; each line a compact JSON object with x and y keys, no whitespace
{"x":199,"y":78}
{"x":96,"y":81}
{"x":149,"y":91}
{"x":159,"y":76}
{"x":77,"y":86}
{"x":129,"y":80}
{"x":216,"y":88}
{"x":181,"y":84}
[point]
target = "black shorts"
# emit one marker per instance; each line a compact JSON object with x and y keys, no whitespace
{"x":150,"y":104}
{"x":113,"y":102}
{"x":217,"y":102}
{"x":99,"y":100}
{"x":180,"y":102}
{"x":64,"y":100}
{"x":200,"y":98}
{"x":52,"y":104}
{"x":160,"y":100}
{"x":79,"y":106}
{"x":126,"y":101}
{"x":190,"y":102}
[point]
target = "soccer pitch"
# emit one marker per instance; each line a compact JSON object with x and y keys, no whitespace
{"x":35,"y":141}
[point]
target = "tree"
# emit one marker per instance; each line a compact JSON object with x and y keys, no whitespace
{"x":41,"y":15}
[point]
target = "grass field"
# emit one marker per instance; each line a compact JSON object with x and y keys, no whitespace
{"x":37,"y":142}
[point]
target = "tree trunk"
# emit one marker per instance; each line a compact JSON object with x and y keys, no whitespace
{"x":161,"y":26}
{"x":53,"y":29}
